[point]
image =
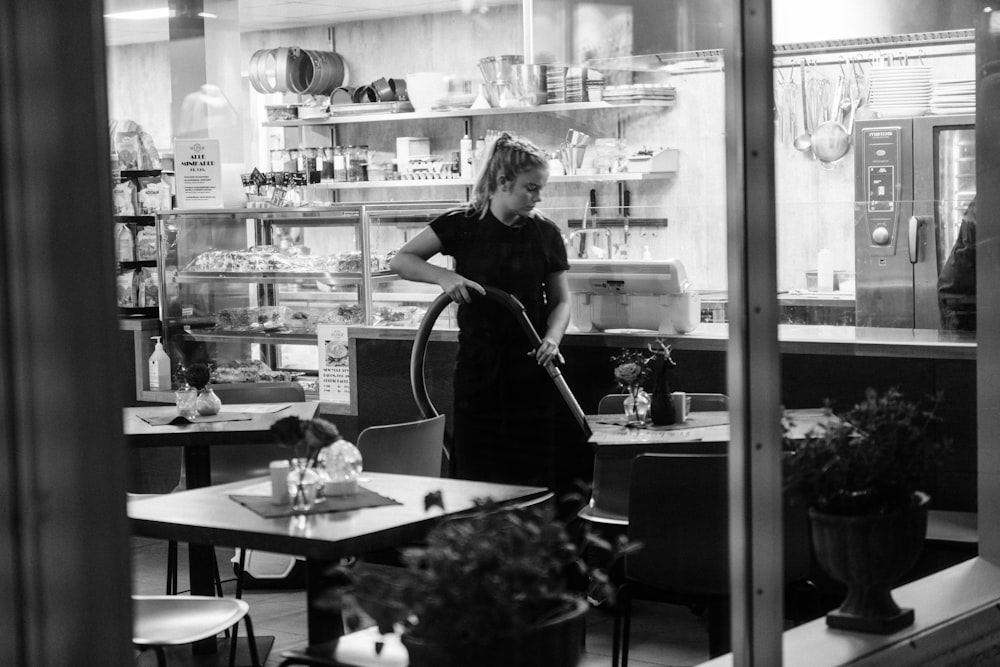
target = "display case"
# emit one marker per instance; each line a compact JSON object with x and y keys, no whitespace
{"x":246,"y":289}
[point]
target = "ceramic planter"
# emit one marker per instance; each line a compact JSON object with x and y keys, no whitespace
{"x":869,"y":553}
{"x":556,"y":643}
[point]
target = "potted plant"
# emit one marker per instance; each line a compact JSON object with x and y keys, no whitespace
{"x":636,"y":372}
{"x":861,"y":474}
{"x":500,"y":586}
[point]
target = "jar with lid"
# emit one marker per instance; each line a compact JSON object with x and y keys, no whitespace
{"x":339,"y":164}
{"x":328,"y":159}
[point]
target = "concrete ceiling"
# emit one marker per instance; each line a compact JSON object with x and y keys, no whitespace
{"x":279,"y":14}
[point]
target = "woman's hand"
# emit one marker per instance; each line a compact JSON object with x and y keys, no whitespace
{"x":458,"y":287}
{"x":548,"y":351}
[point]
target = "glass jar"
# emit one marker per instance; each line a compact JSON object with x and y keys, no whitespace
{"x":339,"y":164}
{"x":343,"y":465}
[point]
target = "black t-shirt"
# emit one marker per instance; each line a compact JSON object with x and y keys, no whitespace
{"x":516,"y":259}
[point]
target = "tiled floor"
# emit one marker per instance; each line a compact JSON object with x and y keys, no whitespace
{"x":662,"y":635}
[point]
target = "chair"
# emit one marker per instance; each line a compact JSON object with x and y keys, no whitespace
{"x":612,"y":404}
{"x":410,"y":448}
{"x":679,"y":511}
{"x":159,"y":621}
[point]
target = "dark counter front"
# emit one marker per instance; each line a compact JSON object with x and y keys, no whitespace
{"x":818,"y":363}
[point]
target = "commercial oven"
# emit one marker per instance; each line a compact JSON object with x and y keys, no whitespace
{"x":914,"y":178}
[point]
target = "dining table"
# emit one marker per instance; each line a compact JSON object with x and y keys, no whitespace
{"x":222,"y":515}
{"x":237,"y":424}
{"x":616,"y":442}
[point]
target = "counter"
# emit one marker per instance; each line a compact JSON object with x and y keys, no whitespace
{"x":793,"y":339}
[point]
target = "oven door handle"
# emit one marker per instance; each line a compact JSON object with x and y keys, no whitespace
{"x":912,"y":237}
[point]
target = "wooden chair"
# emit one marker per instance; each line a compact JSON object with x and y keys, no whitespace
{"x":679,"y":511}
{"x":159,"y":621}
{"x":410,"y":448}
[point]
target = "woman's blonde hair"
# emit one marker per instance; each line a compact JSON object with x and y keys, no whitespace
{"x":507,"y":157}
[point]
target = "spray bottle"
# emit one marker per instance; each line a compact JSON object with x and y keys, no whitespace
{"x":159,"y":367}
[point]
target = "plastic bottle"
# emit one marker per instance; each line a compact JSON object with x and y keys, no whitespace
{"x":125,"y":244}
{"x":465,"y":158}
{"x":159,"y":367}
{"x":824,"y":271}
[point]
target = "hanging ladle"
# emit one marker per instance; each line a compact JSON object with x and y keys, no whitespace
{"x":832,"y":139}
{"x":803,"y":142}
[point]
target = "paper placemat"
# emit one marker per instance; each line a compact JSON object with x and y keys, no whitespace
{"x":694,"y":420}
{"x":177,"y":420}
{"x":263,"y":506}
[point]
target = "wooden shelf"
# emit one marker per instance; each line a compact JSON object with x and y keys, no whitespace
{"x":458,"y":182}
{"x":464,"y":113}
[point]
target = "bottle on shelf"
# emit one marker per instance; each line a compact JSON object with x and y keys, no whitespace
{"x":159,"y":367}
{"x":125,"y":244}
{"x":465,"y":156}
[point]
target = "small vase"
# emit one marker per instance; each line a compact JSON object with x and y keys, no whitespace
{"x":303,"y":485}
{"x":341,"y":463}
{"x":661,"y":404}
{"x":209,"y":402}
{"x":636,"y":406}
{"x":187,"y":401}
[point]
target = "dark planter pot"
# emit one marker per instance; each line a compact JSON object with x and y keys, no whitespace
{"x":869,"y":553}
{"x":556,"y":643}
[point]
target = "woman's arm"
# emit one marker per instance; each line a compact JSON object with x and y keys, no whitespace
{"x":557,"y":295}
{"x":411,"y":263}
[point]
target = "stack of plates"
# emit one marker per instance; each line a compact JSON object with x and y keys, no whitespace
{"x":900,"y":91}
{"x":555,"y":84}
{"x":639,"y":92}
{"x":953,"y":96}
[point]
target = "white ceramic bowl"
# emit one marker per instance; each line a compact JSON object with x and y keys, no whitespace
{"x":426,"y":89}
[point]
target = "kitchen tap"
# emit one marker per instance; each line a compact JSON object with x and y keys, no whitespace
{"x":588,"y":248}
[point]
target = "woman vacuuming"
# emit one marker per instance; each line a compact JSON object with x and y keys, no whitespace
{"x":504,"y":426}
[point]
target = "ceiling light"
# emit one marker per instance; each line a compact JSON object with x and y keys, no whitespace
{"x":141,"y":14}
{"x":152,"y":14}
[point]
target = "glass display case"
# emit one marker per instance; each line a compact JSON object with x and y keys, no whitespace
{"x":245,"y":289}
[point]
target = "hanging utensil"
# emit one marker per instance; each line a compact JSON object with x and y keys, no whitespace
{"x":803,"y":141}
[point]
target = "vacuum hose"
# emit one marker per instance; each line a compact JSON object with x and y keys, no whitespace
{"x":419,"y":385}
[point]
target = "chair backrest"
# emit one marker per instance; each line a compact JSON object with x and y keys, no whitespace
{"x":234,"y":462}
{"x":259,"y":392}
{"x":410,"y":448}
{"x":679,"y":511}
{"x":611,"y":404}
{"x":708,"y":402}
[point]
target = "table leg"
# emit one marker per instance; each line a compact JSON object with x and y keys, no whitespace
{"x":323,"y":624}
{"x":201,"y":557}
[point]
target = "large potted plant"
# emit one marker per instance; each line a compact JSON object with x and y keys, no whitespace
{"x":862,"y":473}
{"x":500,"y":586}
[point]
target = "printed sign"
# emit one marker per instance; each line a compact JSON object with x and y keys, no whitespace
{"x":198,"y":173}
{"x":334,"y":363}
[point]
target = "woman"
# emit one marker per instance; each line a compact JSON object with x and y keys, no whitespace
{"x":504,"y":400}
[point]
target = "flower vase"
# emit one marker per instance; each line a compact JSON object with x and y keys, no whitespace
{"x":636,"y":406}
{"x":303,"y":484}
{"x":661,"y":406}
{"x":187,"y":401}
{"x":209,"y":402}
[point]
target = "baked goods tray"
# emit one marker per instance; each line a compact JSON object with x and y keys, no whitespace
{"x":369,"y":108}
{"x":264,"y":276}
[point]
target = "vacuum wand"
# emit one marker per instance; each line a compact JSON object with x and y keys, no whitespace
{"x":516,"y":308}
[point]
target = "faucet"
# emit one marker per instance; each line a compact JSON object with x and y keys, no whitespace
{"x":582,"y":252}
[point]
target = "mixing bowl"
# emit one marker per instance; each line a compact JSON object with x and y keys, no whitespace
{"x":426,"y":89}
{"x":529,"y":84}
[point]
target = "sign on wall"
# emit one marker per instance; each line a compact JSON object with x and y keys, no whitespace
{"x":198,"y":173}
{"x":334,"y":363}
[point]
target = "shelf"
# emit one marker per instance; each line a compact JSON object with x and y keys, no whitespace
{"x":148,"y":220}
{"x":465,"y":113}
{"x":190,"y":277}
{"x":276,"y":338}
{"x":459,"y":182}
{"x":138,"y":264}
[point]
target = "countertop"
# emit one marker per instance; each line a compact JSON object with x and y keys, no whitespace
{"x":793,"y":339}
